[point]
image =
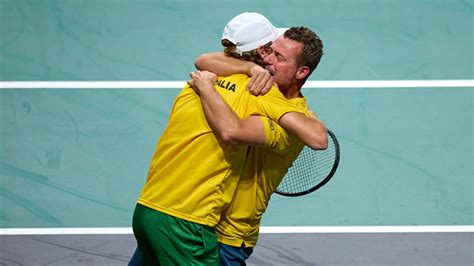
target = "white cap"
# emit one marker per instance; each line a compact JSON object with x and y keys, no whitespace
{"x":249,"y":30}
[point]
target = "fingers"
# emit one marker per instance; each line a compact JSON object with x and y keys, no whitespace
{"x":191,"y":81}
{"x":257,"y":83}
{"x":201,"y":78}
{"x":194,"y":74}
{"x":267,"y":86}
{"x":260,"y":81}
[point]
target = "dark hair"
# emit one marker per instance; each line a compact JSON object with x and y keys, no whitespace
{"x":312,"y":46}
{"x":252,"y":55}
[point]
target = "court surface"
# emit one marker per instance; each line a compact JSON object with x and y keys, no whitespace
{"x":75,"y":155}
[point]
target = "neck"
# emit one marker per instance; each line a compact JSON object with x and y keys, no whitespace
{"x":292,"y":91}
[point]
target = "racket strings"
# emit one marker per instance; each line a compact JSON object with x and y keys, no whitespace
{"x":308,"y":170}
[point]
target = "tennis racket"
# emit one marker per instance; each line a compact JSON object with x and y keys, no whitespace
{"x":311,"y":170}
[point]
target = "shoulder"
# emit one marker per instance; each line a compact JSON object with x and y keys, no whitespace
{"x":232,"y":82}
{"x":238,"y":78}
{"x":300,"y":102}
{"x":275,"y":92}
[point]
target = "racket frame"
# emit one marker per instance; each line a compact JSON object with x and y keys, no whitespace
{"x":326,"y":179}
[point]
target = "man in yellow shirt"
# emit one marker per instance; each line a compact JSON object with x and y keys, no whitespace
{"x":193,"y":174}
{"x":239,"y":226}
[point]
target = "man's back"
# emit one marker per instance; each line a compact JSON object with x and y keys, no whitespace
{"x":264,"y":169}
{"x":193,"y":175}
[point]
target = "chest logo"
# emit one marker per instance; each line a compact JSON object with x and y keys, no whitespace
{"x":226,"y":85}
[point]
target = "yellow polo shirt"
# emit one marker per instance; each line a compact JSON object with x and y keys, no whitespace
{"x":265,"y":168}
{"x":193,"y":175}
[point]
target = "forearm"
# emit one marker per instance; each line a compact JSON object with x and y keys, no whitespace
{"x":310,"y":130}
{"x":222,"y":119}
{"x":223,"y":65}
{"x":226,"y":124}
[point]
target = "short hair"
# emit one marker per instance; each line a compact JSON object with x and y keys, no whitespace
{"x":312,"y":46}
{"x":252,"y":55}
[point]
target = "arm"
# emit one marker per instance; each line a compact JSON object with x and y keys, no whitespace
{"x":217,"y":62}
{"x":222,"y":119}
{"x":229,"y":127}
{"x":309,"y":129}
{"x":223,"y":65}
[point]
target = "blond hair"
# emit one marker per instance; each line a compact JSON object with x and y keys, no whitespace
{"x":252,"y":55}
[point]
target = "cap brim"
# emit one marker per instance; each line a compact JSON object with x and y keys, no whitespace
{"x":281,"y":31}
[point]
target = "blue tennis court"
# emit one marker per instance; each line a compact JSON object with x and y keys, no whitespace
{"x":74,"y":156}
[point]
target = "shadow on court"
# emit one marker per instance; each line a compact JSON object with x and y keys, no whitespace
{"x":427,"y":249}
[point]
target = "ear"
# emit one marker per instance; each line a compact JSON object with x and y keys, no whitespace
{"x":302,"y":72}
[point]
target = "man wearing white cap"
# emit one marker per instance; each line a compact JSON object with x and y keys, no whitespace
{"x":291,"y":59}
{"x":248,"y":31}
{"x":193,"y":174}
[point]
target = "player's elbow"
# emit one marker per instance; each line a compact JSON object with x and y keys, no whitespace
{"x":200,"y":62}
{"x":319,"y":141}
{"x":229,"y":135}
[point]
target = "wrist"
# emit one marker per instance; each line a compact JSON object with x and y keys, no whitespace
{"x":249,"y":67}
{"x":208,"y":86}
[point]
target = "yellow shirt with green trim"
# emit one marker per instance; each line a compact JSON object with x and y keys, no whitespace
{"x":264,"y":170}
{"x":193,"y":175}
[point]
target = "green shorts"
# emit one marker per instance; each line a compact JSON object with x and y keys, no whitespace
{"x":166,"y":240}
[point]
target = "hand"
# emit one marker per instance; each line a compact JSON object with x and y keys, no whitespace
{"x":260,"y":82}
{"x":201,"y":80}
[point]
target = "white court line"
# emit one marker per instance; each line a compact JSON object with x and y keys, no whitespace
{"x":271,"y":229}
{"x":263,"y":229}
{"x":179,"y":84}
{"x":369,"y":229}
